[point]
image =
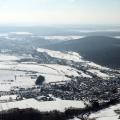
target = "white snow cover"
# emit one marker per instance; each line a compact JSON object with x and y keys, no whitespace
{"x":67,"y":56}
{"x":118,"y":37}
{"x":70,"y":37}
{"x":21,"y":33}
{"x":9,"y":79}
{"x":4,"y":57}
{"x":59,"y":105}
{"x":66,"y":70}
{"x":94,"y":65}
{"x":73,"y":56}
{"x":8,"y":97}
{"x":9,"y":68}
{"x":98,"y":73}
{"x":51,"y":72}
{"x":106,"y":114}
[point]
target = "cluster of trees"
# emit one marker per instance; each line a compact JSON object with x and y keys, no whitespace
{"x":40,"y":80}
{"x":31,"y":114}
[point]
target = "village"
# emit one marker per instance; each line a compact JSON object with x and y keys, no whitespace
{"x":76,"y":89}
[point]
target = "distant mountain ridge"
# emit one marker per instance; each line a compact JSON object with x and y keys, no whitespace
{"x":100,"y":49}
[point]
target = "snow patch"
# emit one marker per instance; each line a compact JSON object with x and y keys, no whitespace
{"x":21,"y":33}
{"x":94,"y":65}
{"x":117,"y":37}
{"x":4,"y":57}
{"x":73,"y":56}
{"x":98,"y":73}
{"x":59,"y":105}
{"x":63,"y":38}
{"x":106,"y":114}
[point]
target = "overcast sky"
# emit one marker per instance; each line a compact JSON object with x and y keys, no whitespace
{"x":40,"y":12}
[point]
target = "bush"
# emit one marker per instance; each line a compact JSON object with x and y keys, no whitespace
{"x":40,"y":80}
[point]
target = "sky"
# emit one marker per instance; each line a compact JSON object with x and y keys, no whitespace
{"x":47,"y":12}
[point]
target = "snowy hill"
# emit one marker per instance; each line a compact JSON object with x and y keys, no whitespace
{"x":102,"y":50}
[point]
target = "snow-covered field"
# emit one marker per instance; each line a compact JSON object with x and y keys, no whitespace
{"x":98,"y":73}
{"x":107,"y":114}
{"x":9,"y":79}
{"x":59,"y":105}
{"x":51,"y":72}
{"x":62,"y":38}
{"x":4,"y":57}
{"x":14,"y":73}
{"x":73,"y":56}
{"x":96,"y":66}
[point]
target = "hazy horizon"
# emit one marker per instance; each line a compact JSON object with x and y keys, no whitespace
{"x":53,"y":12}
